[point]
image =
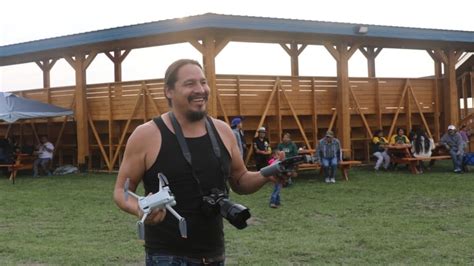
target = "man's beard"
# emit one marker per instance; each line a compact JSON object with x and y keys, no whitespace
{"x":194,"y":116}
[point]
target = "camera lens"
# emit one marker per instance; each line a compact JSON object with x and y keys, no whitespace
{"x":236,"y":214}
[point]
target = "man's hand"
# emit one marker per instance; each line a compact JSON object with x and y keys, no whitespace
{"x":156,"y":216}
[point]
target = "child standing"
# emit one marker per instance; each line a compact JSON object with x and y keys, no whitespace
{"x":275,"y":197}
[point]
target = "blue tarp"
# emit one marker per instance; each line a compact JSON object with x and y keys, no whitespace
{"x":13,"y":108}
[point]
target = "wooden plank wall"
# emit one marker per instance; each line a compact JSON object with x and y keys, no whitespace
{"x":117,"y":108}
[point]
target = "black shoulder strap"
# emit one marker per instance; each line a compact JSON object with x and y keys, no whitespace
{"x":181,"y":140}
{"x":215,"y":145}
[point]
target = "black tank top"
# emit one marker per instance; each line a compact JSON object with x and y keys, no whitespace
{"x":205,"y":233}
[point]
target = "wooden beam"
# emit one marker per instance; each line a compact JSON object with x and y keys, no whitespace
{"x":221,"y":44}
{"x":110,"y":120}
{"x":352,"y":50}
{"x":285,"y":47}
{"x":315,"y":115}
{"x":278,"y":112}
{"x":436,"y":109}
{"x":452,"y":109}
{"x":408,"y":114}
{"x":362,"y":116}
{"x":88,"y":60}
{"x":332,"y":50}
{"x":441,"y":56}
{"x":402,"y":98}
{"x":420,"y":110}
{"x":99,"y":142}
{"x":301,"y":49}
{"x":264,"y":115}
{"x":378,"y":105}
{"x":333,"y":120}
{"x":196,"y":44}
{"x":210,"y":72}
{"x":295,"y":116}
{"x":124,"y":133}
{"x":342,"y":95}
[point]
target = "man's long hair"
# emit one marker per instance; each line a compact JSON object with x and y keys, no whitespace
{"x":421,"y":144}
{"x":171,"y":74}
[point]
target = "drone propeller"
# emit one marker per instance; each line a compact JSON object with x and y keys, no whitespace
{"x":125,"y":188}
{"x":182,"y":222}
{"x":127,"y":192}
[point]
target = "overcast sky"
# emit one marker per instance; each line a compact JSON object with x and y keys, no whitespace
{"x":23,"y":20}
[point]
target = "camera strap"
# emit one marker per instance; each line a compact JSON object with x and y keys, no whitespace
{"x":185,"y":149}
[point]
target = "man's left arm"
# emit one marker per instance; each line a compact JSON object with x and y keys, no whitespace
{"x":241,"y":180}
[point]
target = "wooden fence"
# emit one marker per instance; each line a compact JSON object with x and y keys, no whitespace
{"x":303,"y":106}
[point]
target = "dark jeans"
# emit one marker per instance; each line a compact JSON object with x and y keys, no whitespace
{"x":43,"y":162}
{"x":153,"y":259}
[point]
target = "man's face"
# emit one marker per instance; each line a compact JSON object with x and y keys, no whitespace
{"x":43,"y":140}
{"x":261,"y":134}
{"x":329,"y":138}
{"x":400,"y":132}
{"x":286,"y":138}
{"x":190,"y":93}
{"x":451,"y":131}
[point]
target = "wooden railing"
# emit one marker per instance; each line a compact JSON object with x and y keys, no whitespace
{"x":303,"y":106}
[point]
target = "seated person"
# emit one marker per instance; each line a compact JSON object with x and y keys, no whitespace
{"x":379,"y":147}
{"x":421,"y":147}
{"x":6,"y":154}
{"x":329,"y":154}
{"x":45,"y":155}
{"x":290,"y":149}
{"x":453,"y":142}
{"x":400,"y":138}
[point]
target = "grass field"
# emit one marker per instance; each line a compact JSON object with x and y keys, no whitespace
{"x":383,"y":218}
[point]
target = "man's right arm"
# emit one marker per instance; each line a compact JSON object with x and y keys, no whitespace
{"x":133,"y":168}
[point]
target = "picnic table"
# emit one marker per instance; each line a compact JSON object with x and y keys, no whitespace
{"x":22,"y":161}
{"x":402,"y":154}
{"x":344,"y":165}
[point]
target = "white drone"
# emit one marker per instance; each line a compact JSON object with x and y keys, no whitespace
{"x":160,"y":200}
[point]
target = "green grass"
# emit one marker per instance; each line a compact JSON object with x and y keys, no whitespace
{"x":384,"y":218}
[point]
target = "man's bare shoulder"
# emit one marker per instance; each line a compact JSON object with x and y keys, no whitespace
{"x":222,"y":126}
{"x":145,"y":132}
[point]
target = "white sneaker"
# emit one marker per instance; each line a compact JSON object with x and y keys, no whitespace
{"x":333,"y":180}
{"x":327,"y":180}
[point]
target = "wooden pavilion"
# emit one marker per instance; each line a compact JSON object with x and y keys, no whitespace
{"x":105,"y":114}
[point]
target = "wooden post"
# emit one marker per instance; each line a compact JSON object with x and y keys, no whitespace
{"x":342,"y":105}
{"x":451,"y":96}
{"x":370,"y":53}
{"x":210,"y":72}
{"x":293,"y":51}
{"x":117,"y":58}
{"x":80,"y":63}
{"x":408,"y":119}
{"x":378,"y":104}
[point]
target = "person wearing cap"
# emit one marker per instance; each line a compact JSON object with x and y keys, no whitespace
{"x":262,"y":150}
{"x":329,"y":153}
{"x":453,"y":142}
{"x":236,"y":126}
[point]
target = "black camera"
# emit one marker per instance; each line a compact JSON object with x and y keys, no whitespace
{"x":217,"y":202}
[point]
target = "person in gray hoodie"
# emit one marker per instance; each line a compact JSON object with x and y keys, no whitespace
{"x":453,"y":142}
{"x":329,"y":154}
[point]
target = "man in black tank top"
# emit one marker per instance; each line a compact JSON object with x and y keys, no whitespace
{"x":154,"y":148}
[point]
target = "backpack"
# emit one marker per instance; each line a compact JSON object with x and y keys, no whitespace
{"x":468,"y":158}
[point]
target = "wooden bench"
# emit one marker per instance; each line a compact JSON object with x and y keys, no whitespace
{"x":22,"y":162}
{"x":343,"y":165}
{"x":413,"y":161}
